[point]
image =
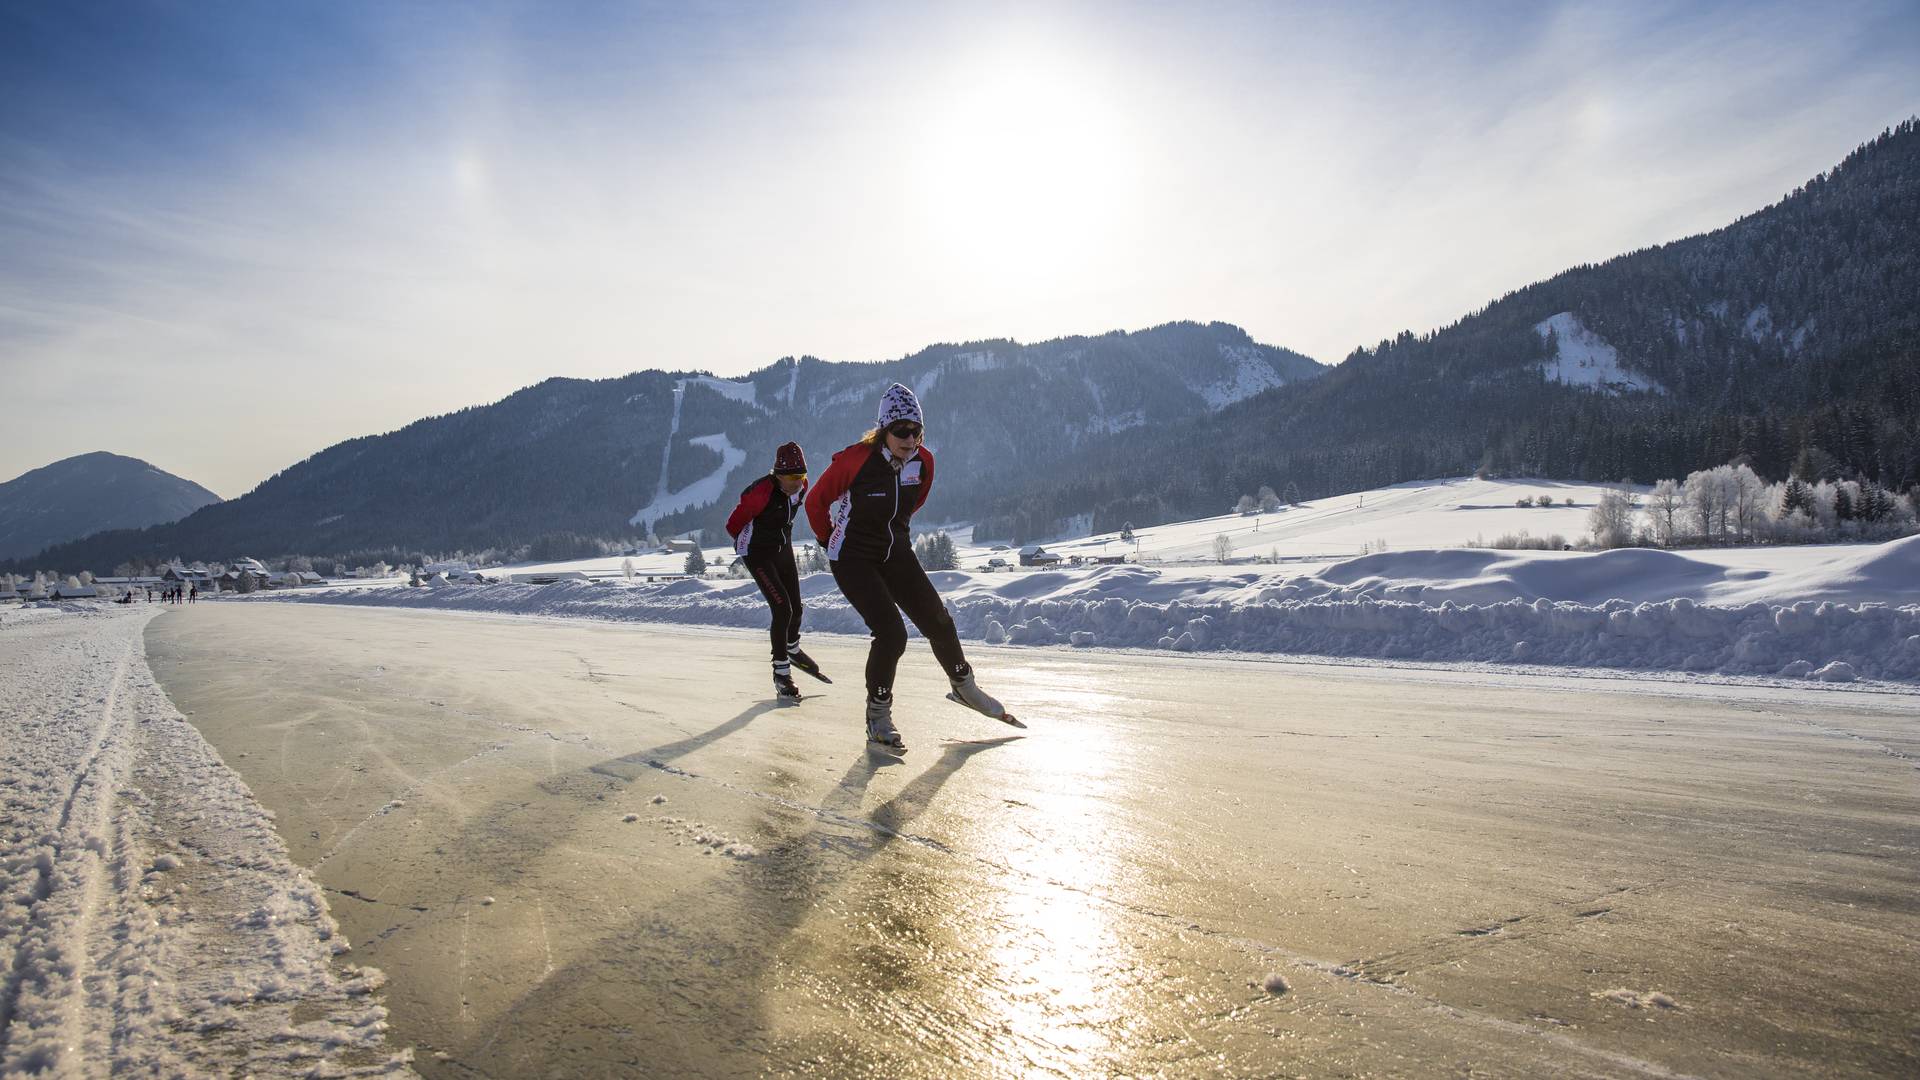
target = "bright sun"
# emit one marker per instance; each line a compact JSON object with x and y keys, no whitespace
{"x":1026,"y":166}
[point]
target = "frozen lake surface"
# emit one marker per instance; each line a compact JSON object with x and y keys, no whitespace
{"x":585,"y":849}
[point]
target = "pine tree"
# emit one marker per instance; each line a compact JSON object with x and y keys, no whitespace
{"x":1796,"y":497}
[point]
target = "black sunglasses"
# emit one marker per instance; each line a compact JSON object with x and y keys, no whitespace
{"x":904,"y":430}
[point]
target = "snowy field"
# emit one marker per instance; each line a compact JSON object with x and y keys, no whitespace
{"x":1833,"y":613}
{"x":1422,"y":514}
{"x":152,"y":923}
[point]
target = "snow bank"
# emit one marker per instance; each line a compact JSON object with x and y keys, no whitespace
{"x":1436,"y":606}
{"x":152,"y":922}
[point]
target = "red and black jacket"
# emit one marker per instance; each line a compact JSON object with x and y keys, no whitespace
{"x":862,"y":503}
{"x":763,"y":522}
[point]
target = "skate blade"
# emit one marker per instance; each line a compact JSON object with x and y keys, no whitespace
{"x":892,"y":749}
{"x":1006,"y":718}
{"x":815,"y":674}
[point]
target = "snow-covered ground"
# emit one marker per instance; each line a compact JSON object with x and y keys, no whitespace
{"x":1374,"y":575}
{"x":151,"y":922}
{"x":1420,"y":514}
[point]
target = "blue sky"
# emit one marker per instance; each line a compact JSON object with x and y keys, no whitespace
{"x":232,"y":234}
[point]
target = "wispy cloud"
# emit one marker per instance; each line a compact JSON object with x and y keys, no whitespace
{"x":236,"y":234}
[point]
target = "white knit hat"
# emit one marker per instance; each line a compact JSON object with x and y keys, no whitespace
{"x":898,"y":403}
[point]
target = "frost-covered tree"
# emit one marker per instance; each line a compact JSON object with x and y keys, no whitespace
{"x":1611,"y":520}
{"x":1664,"y":507}
{"x":1747,"y":497}
{"x":1709,"y":498}
{"x":696,"y":563}
{"x":1246,"y":505}
{"x":1268,"y":499}
{"x":626,"y":570}
{"x":1222,"y":547}
{"x":1795,"y":497}
{"x":936,"y":552}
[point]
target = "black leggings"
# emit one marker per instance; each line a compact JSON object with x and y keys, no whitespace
{"x":779,"y":582}
{"x":879,"y":591}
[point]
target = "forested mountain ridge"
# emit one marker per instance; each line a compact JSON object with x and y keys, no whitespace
{"x":84,"y":494}
{"x":589,"y":457}
{"x":1790,"y":336}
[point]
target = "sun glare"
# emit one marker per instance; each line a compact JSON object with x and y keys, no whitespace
{"x":1026,"y":165}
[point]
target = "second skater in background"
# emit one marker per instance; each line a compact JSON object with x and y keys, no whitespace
{"x":762,"y":531}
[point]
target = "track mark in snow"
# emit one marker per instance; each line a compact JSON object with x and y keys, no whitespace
{"x":92,"y":865}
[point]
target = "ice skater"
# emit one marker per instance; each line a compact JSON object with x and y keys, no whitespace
{"x":860,"y":509}
{"x":762,"y":531}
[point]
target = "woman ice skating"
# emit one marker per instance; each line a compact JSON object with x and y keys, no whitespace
{"x":860,"y":509}
{"x":762,"y":531}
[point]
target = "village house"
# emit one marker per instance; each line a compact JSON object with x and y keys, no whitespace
{"x":1035,"y":555}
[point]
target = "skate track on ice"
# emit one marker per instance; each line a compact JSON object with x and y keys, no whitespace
{"x":599,"y":849}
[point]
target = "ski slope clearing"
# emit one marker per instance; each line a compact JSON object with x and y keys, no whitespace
{"x":152,"y":923}
{"x":589,"y":849}
{"x":1834,"y":614}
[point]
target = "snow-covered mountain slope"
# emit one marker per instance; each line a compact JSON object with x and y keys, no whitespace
{"x":1581,"y":358}
{"x":601,"y":458}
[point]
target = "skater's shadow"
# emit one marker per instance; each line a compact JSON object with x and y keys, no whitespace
{"x":698,"y":979}
{"x":891,"y":818}
{"x":633,"y":766}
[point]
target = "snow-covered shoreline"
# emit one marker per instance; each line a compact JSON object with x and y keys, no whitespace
{"x":152,"y":921}
{"x":1465,"y":606}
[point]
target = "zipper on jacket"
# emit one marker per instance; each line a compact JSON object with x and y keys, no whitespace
{"x":896,"y":505}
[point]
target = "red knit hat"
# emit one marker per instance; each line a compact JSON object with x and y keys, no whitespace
{"x":789,"y":461}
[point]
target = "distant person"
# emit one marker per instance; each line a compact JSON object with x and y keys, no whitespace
{"x":860,"y":510}
{"x":193,"y":594}
{"x":762,"y":531}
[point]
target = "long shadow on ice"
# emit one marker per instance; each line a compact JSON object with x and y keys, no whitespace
{"x":694,"y":986}
{"x":633,"y":766}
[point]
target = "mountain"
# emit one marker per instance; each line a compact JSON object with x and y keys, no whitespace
{"x":670,"y":450}
{"x":83,"y":495}
{"x":1790,"y":339}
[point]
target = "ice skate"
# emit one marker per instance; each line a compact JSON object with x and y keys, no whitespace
{"x":967,"y":692}
{"x":805,"y":663}
{"x":784,"y":692}
{"x":880,"y":730}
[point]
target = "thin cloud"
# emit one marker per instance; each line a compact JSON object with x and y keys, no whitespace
{"x":294,"y":234}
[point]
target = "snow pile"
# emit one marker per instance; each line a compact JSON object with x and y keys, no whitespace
{"x":1435,"y":606}
{"x":131,"y":857}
